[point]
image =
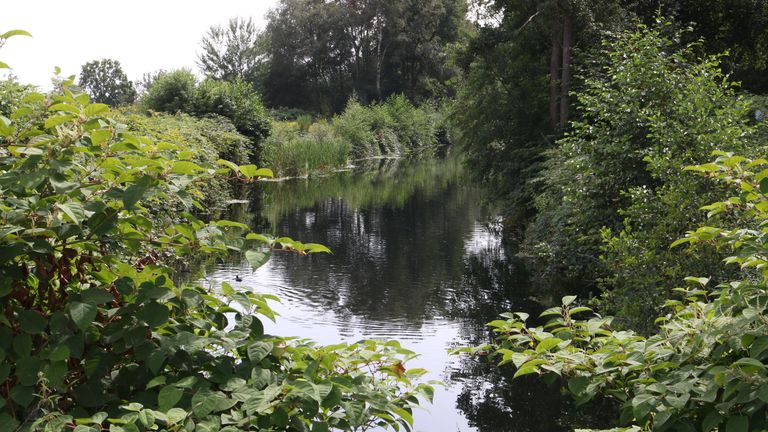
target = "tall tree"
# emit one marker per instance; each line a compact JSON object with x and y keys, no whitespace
{"x":234,"y":51}
{"x":106,"y":82}
{"x":320,"y":52}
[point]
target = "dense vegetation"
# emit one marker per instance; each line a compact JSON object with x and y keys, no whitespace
{"x":598,"y":183}
{"x":705,"y":367}
{"x":585,"y":147}
{"x":392,"y":128}
{"x":587,"y":123}
{"x":95,"y":332}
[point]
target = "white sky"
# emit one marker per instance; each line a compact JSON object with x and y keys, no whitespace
{"x":143,"y":35}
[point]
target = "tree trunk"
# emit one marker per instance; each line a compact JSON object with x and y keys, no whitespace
{"x":379,"y":60}
{"x":554,"y":79}
{"x":565,"y":80}
{"x":379,"y":52}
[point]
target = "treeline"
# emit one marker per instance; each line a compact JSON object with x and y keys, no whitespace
{"x":321,"y":52}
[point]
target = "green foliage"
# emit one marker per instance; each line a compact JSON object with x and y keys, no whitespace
{"x":738,"y":27}
{"x":234,"y":52}
{"x":171,"y":92}
{"x":106,"y":82}
{"x":705,"y":369}
{"x":512,"y":93}
{"x":652,"y":110}
{"x":11,"y":93}
{"x":292,"y":152}
{"x":304,"y":121}
{"x":392,"y":127}
{"x":235,"y":100}
{"x":209,"y":139}
{"x":95,"y":333}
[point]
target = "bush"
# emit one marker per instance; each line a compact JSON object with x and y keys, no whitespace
{"x":356,"y":126}
{"x":236,"y":101}
{"x":96,"y":335}
{"x":616,"y":176}
{"x":210,"y":139}
{"x":11,"y":94}
{"x":304,"y":121}
{"x":416,"y":128}
{"x":171,"y":92}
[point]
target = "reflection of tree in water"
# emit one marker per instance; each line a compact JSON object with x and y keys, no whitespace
{"x":406,"y":251}
{"x":388,"y":262}
{"x":491,"y":399}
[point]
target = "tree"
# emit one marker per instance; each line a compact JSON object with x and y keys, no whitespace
{"x":106,"y":82}
{"x":236,"y":101}
{"x":739,"y":27}
{"x":513,"y":94}
{"x":320,"y":53}
{"x":234,"y":51}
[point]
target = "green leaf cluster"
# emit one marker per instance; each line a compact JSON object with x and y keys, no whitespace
{"x":178,"y":91}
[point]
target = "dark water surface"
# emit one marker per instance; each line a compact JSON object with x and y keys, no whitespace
{"x":415,"y":258}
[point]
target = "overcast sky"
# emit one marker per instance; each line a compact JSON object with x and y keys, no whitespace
{"x":143,"y":35}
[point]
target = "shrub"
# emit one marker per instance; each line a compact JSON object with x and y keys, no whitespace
{"x":304,"y":121}
{"x":416,"y":128}
{"x":209,"y":138}
{"x":236,"y":101}
{"x":652,"y":109}
{"x":11,"y":94}
{"x":171,"y":92}
{"x":393,"y":127}
{"x":354,"y":125}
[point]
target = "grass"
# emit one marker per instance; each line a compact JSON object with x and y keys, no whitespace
{"x":292,"y":153}
{"x":394,"y":127}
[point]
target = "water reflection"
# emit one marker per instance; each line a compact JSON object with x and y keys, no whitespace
{"x":415,"y":258}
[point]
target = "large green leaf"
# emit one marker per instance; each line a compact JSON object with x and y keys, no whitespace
{"x":168,"y":397}
{"x":258,"y":350}
{"x":82,"y":314}
{"x":256,"y":258}
{"x":135,"y":192}
{"x":32,"y":322}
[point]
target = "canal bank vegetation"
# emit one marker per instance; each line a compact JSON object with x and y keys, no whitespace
{"x":94,"y":332}
{"x":392,"y":128}
{"x":609,"y":189}
{"x":627,"y":157}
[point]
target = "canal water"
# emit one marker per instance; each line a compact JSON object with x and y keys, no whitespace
{"x":416,"y":257}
